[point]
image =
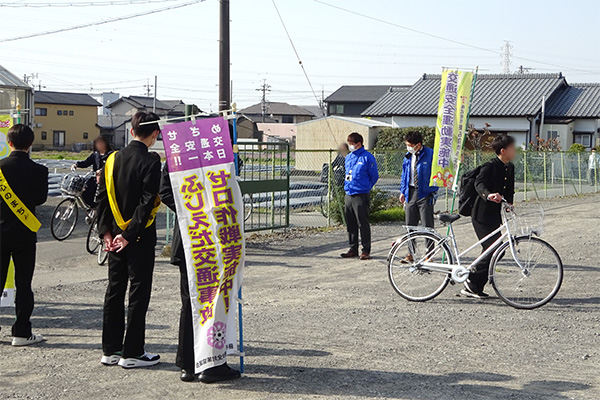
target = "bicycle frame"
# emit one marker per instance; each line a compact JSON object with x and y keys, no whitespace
{"x":457,"y":271}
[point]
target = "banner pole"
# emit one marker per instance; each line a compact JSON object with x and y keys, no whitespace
{"x":462,"y":145}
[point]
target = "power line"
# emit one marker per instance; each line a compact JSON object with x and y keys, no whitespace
{"x":442,"y":37}
{"x":88,"y":4}
{"x":106,"y":21}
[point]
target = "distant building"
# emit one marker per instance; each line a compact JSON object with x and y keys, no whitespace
{"x":64,"y":121}
{"x":511,"y":104}
{"x":351,"y":101}
{"x":105,"y":98}
{"x":11,"y":89}
{"x":327,"y":133}
{"x":114,"y":128}
{"x":277,"y":112}
{"x":129,"y":105}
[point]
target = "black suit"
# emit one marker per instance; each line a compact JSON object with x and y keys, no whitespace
{"x":137,"y":179}
{"x":29,"y":181}
{"x":185,"y":349}
{"x":494,"y":177}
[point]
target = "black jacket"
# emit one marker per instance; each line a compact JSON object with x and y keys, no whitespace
{"x":29,"y":181}
{"x":494,"y":177}
{"x":137,"y":179}
{"x":95,"y":160}
{"x":166,"y":196}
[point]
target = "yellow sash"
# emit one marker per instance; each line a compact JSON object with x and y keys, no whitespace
{"x":112,"y":198}
{"x":17,"y":206}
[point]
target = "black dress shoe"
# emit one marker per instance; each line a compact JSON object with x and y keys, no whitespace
{"x":187,"y":376}
{"x":219,"y":374}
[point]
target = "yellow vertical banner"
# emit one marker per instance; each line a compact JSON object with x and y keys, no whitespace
{"x":451,"y":126}
{"x":7,"y":297}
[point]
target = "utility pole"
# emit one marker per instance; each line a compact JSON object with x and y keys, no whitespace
{"x":524,"y":70}
{"x":264,"y":88}
{"x":154,"y":102}
{"x":148,"y":87}
{"x":506,"y":55}
{"x":224,"y":61}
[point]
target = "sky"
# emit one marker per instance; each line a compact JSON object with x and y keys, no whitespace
{"x":380,"y":42}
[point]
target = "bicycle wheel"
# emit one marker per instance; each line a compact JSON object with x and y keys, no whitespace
{"x":64,"y":219}
{"x":535,"y":281}
{"x":248,"y":206}
{"x":102,"y":254}
{"x":93,"y":238}
{"x":409,"y":278}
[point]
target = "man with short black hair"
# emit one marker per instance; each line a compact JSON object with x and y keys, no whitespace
{"x":415,"y":192}
{"x":361,"y":176}
{"x":23,"y":186}
{"x":496,"y":181}
{"x":127,"y":205}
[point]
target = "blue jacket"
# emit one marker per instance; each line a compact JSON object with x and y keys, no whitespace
{"x":361,"y":172}
{"x":424,"y":161}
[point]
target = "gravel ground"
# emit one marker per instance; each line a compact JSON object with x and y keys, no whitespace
{"x":319,"y":327}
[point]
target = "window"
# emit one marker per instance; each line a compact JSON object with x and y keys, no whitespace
{"x":287,"y":119}
{"x":583,"y":138}
{"x":44,"y":135}
{"x":59,"y":112}
{"x":336,"y":109}
{"x":85,"y":134}
{"x":65,"y":112}
{"x":552,"y":134}
{"x":71,"y":112}
{"x":41,"y":112}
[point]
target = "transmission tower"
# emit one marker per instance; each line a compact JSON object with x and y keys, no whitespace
{"x":506,"y":55}
{"x":264,"y":88}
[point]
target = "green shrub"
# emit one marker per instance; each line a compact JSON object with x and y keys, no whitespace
{"x":380,"y":201}
{"x":391,"y":214}
{"x":577,"y":148}
{"x":393,"y":138}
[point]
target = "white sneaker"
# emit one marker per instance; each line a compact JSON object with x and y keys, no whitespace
{"x":33,"y":339}
{"x":145,"y":360}
{"x":112,"y":359}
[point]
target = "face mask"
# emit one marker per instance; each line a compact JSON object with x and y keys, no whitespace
{"x":411,"y":149}
{"x":351,"y":147}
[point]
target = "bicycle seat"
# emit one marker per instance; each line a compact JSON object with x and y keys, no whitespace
{"x":448,"y":218}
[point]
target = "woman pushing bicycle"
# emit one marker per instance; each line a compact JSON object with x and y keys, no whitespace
{"x":96,"y":160}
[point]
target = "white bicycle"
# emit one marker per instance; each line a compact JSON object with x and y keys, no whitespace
{"x":525,"y":271}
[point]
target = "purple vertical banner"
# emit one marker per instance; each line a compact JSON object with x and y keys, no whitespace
{"x":196,"y":144}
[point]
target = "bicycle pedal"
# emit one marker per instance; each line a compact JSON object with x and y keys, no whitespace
{"x":452,"y":282}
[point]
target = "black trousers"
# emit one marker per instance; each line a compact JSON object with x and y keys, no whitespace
{"x":480,"y":277}
{"x":21,"y":247}
{"x":419,"y":212}
{"x":357,"y":219}
{"x":185,"y":348}
{"x":134,"y":264}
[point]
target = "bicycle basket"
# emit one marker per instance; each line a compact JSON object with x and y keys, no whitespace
{"x":526,"y":219}
{"x":72,"y":184}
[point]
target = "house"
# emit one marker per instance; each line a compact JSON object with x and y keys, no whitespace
{"x":114,"y":128}
{"x":277,"y":123}
{"x":351,"y":101}
{"x":516,"y":104}
{"x":11,"y":89}
{"x":129,"y":105}
{"x":65,"y":120}
{"x":277,"y":112}
{"x":327,"y":133}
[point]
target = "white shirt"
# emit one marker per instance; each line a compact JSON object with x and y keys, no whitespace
{"x":593,"y":161}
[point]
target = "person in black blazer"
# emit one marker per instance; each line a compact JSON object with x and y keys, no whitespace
{"x":96,"y":160}
{"x":29,"y":182}
{"x":136,"y":176}
{"x":185,"y":349}
{"x":495,"y":181}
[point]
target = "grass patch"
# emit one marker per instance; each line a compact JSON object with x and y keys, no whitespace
{"x":59,"y":155}
{"x":389,"y":215}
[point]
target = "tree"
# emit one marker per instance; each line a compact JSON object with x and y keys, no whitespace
{"x":541,"y":144}
{"x":477,"y":138}
{"x":393,"y":138}
{"x":577,"y":148}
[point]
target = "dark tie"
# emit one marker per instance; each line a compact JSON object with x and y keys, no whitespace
{"x":416,"y":174}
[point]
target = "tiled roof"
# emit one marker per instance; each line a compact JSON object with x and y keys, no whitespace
{"x":114,"y":121}
{"x":74,"y":99}
{"x":355,"y":120}
{"x":314,"y":110}
{"x":8,"y":79}
{"x":276,"y":108}
{"x":495,"y":95}
{"x":358,"y":94}
{"x":142,"y":102}
{"x":579,"y":100}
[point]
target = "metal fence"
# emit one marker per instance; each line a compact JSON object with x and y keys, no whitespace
{"x":314,"y":179}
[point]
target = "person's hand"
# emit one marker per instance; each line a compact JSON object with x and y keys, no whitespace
{"x":495,"y":197}
{"x":98,"y":176}
{"x":402,"y":198}
{"x":119,"y":243}
{"x":73,"y":167}
{"x":108,"y":241}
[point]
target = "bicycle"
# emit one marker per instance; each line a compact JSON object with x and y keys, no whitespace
{"x":525,"y":271}
{"x":66,"y":213}
{"x":95,"y":245}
